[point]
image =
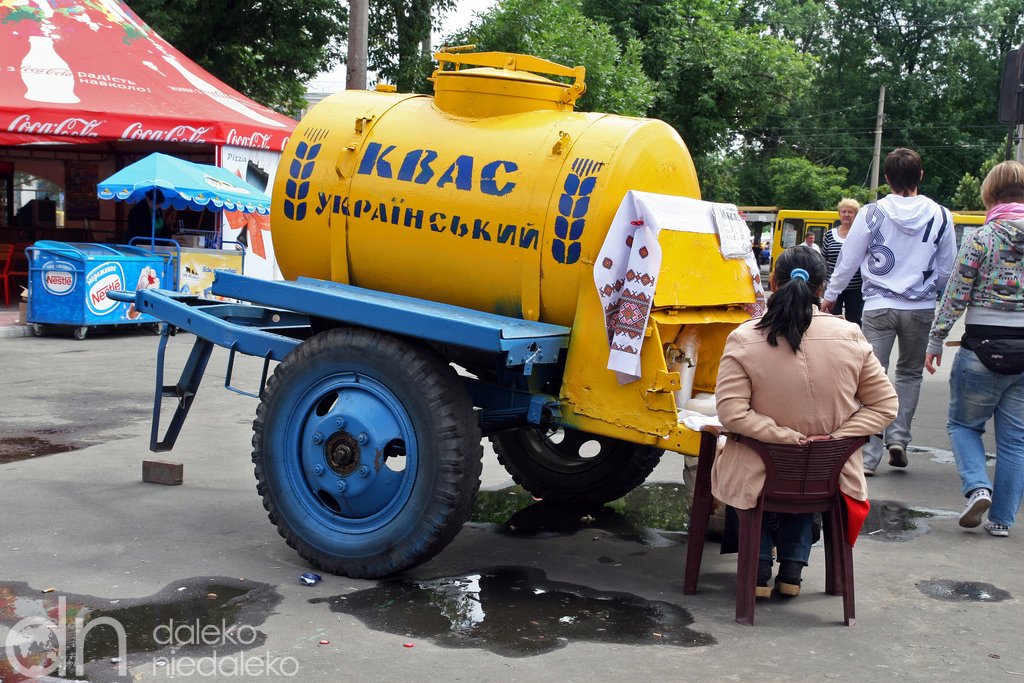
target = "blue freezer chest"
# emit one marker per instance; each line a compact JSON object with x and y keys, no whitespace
{"x":68,"y":282}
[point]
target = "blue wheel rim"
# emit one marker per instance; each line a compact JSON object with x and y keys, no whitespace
{"x":352,"y":455}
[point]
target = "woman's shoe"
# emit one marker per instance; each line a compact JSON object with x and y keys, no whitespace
{"x":764,"y":575}
{"x":788,"y":580}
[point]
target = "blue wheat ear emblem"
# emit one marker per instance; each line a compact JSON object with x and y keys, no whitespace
{"x":296,"y":189}
{"x":573,"y":205}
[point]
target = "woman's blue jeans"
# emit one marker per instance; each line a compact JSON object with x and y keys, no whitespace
{"x":790,"y":534}
{"x":977,"y":394}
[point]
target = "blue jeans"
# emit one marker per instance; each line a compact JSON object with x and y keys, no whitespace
{"x":790,"y":534}
{"x":975,"y":395}
{"x":882,"y":328}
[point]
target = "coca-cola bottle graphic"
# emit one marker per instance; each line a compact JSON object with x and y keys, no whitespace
{"x":45,"y":74}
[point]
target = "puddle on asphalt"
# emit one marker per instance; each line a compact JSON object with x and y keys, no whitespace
{"x":25,"y":447}
{"x":653,"y":514}
{"x":515,"y":612}
{"x":187,"y":619}
{"x":963,"y":591}
{"x":892,"y":521}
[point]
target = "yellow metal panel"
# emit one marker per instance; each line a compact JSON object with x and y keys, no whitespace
{"x":593,"y":399}
{"x":694,"y":273}
{"x":698,"y":316}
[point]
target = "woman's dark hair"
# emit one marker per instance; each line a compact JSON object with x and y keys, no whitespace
{"x":792,"y":304}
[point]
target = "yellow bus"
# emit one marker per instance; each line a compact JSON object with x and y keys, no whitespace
{"x":792,"y":225}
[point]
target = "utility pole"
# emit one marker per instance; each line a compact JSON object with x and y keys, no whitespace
{"x":878,"y":142}
{"x":358,"y":19}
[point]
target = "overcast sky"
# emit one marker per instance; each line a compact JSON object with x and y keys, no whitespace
{"x":465,"y":11}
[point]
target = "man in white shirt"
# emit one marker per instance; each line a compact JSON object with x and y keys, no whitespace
{"x":904,"y":246}
{"x":809,"y":242}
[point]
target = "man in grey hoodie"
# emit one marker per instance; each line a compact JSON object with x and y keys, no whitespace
{"x":904,"y":246}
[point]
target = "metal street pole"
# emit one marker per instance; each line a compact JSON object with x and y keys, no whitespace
{"x":878,"y":142}
{"x":358,"y":20}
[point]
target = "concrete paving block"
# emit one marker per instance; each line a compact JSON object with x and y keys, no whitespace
{"x":163,"y":472}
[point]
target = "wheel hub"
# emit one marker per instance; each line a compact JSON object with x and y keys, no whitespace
{"x":342,"y":453}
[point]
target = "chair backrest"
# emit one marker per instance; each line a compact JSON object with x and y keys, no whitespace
{"x":6,"y":253}
{"x":802,"y":478}
{"x":17,"y":263}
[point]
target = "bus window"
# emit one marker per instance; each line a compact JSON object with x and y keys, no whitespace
{"x":819,"y":233}
{"x":790,"y":230}
{"x":792,"y":226}
{"x":966,"y":223}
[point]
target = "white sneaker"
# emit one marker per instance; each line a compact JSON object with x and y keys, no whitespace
{"x":997,"y":529}
{"x":978,"y":504}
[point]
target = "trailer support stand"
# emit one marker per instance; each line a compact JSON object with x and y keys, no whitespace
{"x":185,"y":390}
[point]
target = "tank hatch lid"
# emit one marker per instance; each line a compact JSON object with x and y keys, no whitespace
{"x":500,"y":83}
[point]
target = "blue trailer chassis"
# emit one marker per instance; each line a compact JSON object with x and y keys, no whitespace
{"x":278,"y":316}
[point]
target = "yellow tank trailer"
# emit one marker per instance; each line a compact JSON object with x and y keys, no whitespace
{"x":488,"y":229}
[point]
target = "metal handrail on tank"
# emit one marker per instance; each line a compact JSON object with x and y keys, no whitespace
{"x":512,"y":62}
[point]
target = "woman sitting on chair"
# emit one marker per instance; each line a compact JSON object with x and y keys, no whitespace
{"x":792,"y":376}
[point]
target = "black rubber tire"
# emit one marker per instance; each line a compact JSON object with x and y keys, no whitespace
{"x":562,"y":473}
{"x":381,"y":381}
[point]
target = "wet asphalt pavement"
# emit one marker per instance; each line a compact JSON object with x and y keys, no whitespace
{"x":203,"y":584}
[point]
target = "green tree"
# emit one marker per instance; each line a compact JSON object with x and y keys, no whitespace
{"x":266,"y":50}
{"x":968,"y":190}
{"x":400,"y":40}
{"x":796,"y":182}
{"x":718,"y":73}
{"x":720,"y":181}
{"x":940,"y":61}
{"x":968,"y":194}
{"x":557,"y":30}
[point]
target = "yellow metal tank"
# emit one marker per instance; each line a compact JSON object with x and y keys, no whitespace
{"x":492,"y":195}
{"x":495,"y":195}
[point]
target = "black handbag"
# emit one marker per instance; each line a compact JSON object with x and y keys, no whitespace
{"x":1002,"y":356}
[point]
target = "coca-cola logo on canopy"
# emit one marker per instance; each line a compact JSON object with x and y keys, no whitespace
{"x":253,"y":140}
{"x":182,"y":133}
{"x":72,"y":126}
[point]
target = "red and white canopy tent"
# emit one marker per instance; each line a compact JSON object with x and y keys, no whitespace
{"x":87,"y":86}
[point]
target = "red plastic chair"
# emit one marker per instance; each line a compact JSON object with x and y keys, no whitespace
{"x":13,"y":264}
{"x":797,"y":479}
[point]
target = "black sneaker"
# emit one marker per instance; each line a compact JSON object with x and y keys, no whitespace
{"x":764,"y":575}
{"x":897,"y":455}
{"x":788,"y":579}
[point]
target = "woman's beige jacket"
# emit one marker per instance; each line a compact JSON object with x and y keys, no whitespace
{"x":832,"y":385}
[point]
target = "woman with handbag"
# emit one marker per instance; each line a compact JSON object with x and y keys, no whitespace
{"x":987,"y":380}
